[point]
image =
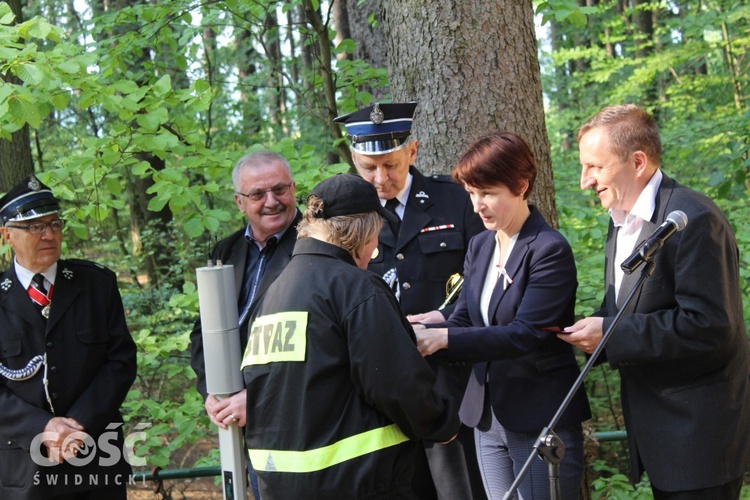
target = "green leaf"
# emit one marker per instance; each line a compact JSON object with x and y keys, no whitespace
{"x":163,"y":86}
{"x":578,"y":19}
{"x":126,"y":86}
{"x":193,"y":227}
{"x":114,"y":185}
{"x":59,"y":100}
{"x":29,"y":73}
{"x":345,"y":46}
{"x":156,"y":204}
{"x":152,"y":120}
{"x":6,"y":15}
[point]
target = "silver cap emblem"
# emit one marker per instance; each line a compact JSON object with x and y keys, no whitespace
{"x":376,"y":115}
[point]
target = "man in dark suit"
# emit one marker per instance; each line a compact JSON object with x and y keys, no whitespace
{"x":417,"y":257}
{"x":265,"y":192}
{"x":681,"y":347}
{"x":67,"y":361}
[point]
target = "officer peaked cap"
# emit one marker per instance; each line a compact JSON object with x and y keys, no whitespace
{"x":379,"y":129}
{"x":28,"y":199}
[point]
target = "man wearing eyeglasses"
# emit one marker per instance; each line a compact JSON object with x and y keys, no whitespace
{"x":265,"y":193}
{"x":67,"y":361}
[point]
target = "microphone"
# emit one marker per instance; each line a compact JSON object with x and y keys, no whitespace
{"x":676,"y":221}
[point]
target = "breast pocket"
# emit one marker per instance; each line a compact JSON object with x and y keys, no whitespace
{"x":10,"y":348}
{"x":17,"y":469}
{"x":443,"y":253}
{"x":91,"y":335}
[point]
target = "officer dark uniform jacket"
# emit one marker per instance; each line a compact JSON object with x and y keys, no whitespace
{"x":85,"y":352}
{"x":438,"y":220}
{"x":438,"y":223}
{"x":337,"y":391}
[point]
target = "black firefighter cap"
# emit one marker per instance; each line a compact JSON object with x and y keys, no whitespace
{"x":379,"y":129}
{"x":349,"y":194}
{"x":28,"y":199}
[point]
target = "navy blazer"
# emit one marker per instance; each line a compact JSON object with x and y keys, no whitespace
{"x":530,"y":371}
{"x":682,"y":350}
{"x":233,"y":250}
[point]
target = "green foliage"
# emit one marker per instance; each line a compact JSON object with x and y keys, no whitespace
{"x":563,"y":11}
{"x":612,"y":485}
{"x":136,"y":112}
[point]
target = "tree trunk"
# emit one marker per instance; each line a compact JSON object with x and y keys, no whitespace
{"x":472,"y":66}
{"x":340,"y":16}
{"x":314,"y":19}
{"x":371,"y":42}
{"x":272,"y":43}
{"x":16,"y":161}
{"x":150,"y":228}
{"x":643,"y":24}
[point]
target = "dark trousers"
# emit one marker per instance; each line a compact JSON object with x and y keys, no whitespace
{"x":113,"y":492}
{"x":728,"y":491}
{"x":449,"y":471}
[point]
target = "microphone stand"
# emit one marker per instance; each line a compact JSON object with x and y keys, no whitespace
{"x":548,"y":446}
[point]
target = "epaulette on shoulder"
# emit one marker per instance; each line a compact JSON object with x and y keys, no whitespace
{"x":442,"y":178}
{"x":91,"y":264}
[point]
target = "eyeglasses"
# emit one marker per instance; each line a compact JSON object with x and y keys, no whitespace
{"x":37,"y":228}
{"x":278,"y":190}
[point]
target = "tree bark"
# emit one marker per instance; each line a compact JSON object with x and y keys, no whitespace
{"x":16,"y":161}
{"x":272,"y":44}
{"x":472,"y":66}
{"x":314,"y":19}
{"x":372,"y":46}
{"x":151,"y":228}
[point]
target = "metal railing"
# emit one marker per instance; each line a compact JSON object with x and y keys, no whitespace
{"x":161,"y":475}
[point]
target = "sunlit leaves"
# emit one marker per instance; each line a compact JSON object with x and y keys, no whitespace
{"x":563,"y":11}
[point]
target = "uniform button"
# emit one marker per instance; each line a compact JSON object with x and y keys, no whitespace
{"x":406,"y":286}
{"x":50,"y":344}
{"x":399,"y":256}
{"x":53,"y":369}
{"x":443,"y":244}
{"x":10,"y":443}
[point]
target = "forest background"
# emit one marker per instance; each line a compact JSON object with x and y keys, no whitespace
{"x":135,"y":111}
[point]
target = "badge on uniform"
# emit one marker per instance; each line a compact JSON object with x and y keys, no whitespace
{"x":5,"y":285}
{"x":437,"y":228}
{"x":67,"y":273}
{"x":376,"y":115}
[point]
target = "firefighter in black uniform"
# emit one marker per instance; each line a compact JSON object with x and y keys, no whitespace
{"x":337,"y":393}
{"x":67,"y":361}
{"x":417,"y":256}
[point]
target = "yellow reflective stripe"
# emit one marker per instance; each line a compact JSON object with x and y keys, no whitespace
{"x":321,"y":458}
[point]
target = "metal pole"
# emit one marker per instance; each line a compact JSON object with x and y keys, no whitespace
{"x":221,"y":351}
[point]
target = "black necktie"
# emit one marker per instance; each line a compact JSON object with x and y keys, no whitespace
{"x":391,"y":206}
{"x":38,"y":293}
{"x":38,"y":283}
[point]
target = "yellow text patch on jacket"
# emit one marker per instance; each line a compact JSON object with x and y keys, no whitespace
{"x":276,"y":337}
